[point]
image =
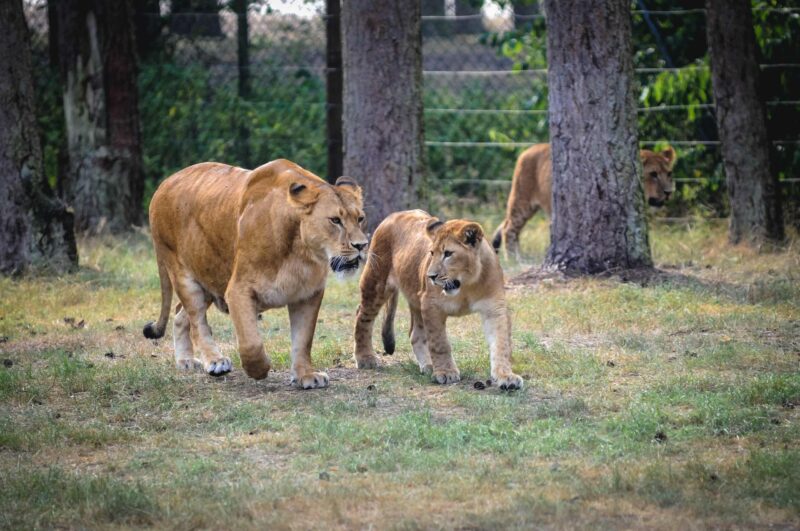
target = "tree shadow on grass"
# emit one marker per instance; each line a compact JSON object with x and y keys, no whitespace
{"x":770,"y":290}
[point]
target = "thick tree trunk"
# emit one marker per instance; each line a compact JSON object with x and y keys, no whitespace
{"x":598,"y":221}
{"x":383,"y":137}
{"x":741,"y":119}
{"x":104,"y":183}
{"x":35,"y":227}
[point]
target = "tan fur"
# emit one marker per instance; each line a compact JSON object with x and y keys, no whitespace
{"x":408,"y":254}
{"x":531,"y":189}
{"x":247,"y":241}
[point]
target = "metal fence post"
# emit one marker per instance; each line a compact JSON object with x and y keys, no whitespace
{"x":334,"y":87}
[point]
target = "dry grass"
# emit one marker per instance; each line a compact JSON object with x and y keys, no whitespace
{"x":669,"y":405}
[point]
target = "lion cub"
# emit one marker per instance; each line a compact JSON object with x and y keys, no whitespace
{"x":443,"y":269}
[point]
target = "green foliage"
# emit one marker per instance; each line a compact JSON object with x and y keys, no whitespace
{"x":191,"y":113}
{"x":679,"y":41}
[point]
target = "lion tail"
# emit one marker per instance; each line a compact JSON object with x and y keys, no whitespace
{"x":387,"y":331}
{"x":156,"y":330}
{"x":497,"y":239}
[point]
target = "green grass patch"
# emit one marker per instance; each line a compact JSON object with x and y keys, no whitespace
{"x":668,"y":405}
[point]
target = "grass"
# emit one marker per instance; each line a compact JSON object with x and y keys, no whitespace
{"x":671,"y":405}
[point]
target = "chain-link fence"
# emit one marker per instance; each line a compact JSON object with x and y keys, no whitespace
{"x":485,"y":90}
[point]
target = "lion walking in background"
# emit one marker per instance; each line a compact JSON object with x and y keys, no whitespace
{"x":531,"y":189}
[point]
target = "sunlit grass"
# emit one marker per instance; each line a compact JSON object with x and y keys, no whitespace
{"x":671,"y":405}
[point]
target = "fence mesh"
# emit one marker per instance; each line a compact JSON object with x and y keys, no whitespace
{"x":485,"y":90}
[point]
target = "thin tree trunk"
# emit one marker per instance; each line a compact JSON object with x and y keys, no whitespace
{"x":598,"y":221}
{"x":741,"y":119}
{"x":383,"y":136}
{"x":35,"y":227}
{"x":104,"y":183}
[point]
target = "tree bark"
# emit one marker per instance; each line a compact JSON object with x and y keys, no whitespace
{"x":598,"y":221}
{"x":383,"y":132}
{"x":104,"y":183}
{"x":756,"y":215}
{"x":35,"y":227}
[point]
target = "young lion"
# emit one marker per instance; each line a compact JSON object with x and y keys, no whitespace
{"x":531,"y":189}
{"x":443,"y":269}
{"x":249,"y":240}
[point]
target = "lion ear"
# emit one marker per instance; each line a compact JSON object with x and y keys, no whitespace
{"x":472,"y":234}
{"x":434,"y":225}
{"x":301,"y":195}
{"x":349,"y":184}
{"x":670,"y":155}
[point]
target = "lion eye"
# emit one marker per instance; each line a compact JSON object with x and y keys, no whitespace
{"x":336,"y":221}
{"x":431,"y":253}
{"x":360,"y":219}
{"x":448,"y":254}
{"x":654,"y":175}
{"x":669,"y":174}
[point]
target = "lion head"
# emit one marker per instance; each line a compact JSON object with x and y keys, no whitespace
{"x":333,"y":220}
{"x":455,"y":254}
{"x":658,"y":185}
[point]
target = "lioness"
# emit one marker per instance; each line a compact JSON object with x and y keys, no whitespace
{"x":249,"y":240}
{"x":443,"y":269}
{"x":531,"y":189}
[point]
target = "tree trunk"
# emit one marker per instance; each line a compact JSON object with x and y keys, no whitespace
{"x":35,"y":227}
{"x":104,"y":183}
{"x":598,"y":221}
{"x":383,"y":137}
{"x":741,"y":119}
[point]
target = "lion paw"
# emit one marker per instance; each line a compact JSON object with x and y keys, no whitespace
{"x":311,"y":380}
{"x":508,"y":382}
{"x":367,"y":362}
{"x":446,"y":376}
{"x":219,"y":367}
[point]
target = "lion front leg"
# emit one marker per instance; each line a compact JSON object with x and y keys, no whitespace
{"x":444,"y":366}
{"x":497,"y":328}
{"x":242,"y":307}
{"x":303,"y":321}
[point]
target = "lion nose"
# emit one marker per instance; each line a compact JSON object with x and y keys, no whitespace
{"x":359,"y":246}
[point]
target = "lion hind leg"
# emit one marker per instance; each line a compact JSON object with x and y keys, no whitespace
{"x":196,"y":303}
{"x":387,"y":331}
{"x":512,"y":227}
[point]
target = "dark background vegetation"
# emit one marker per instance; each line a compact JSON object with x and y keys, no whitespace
{"x":191,"y":109}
